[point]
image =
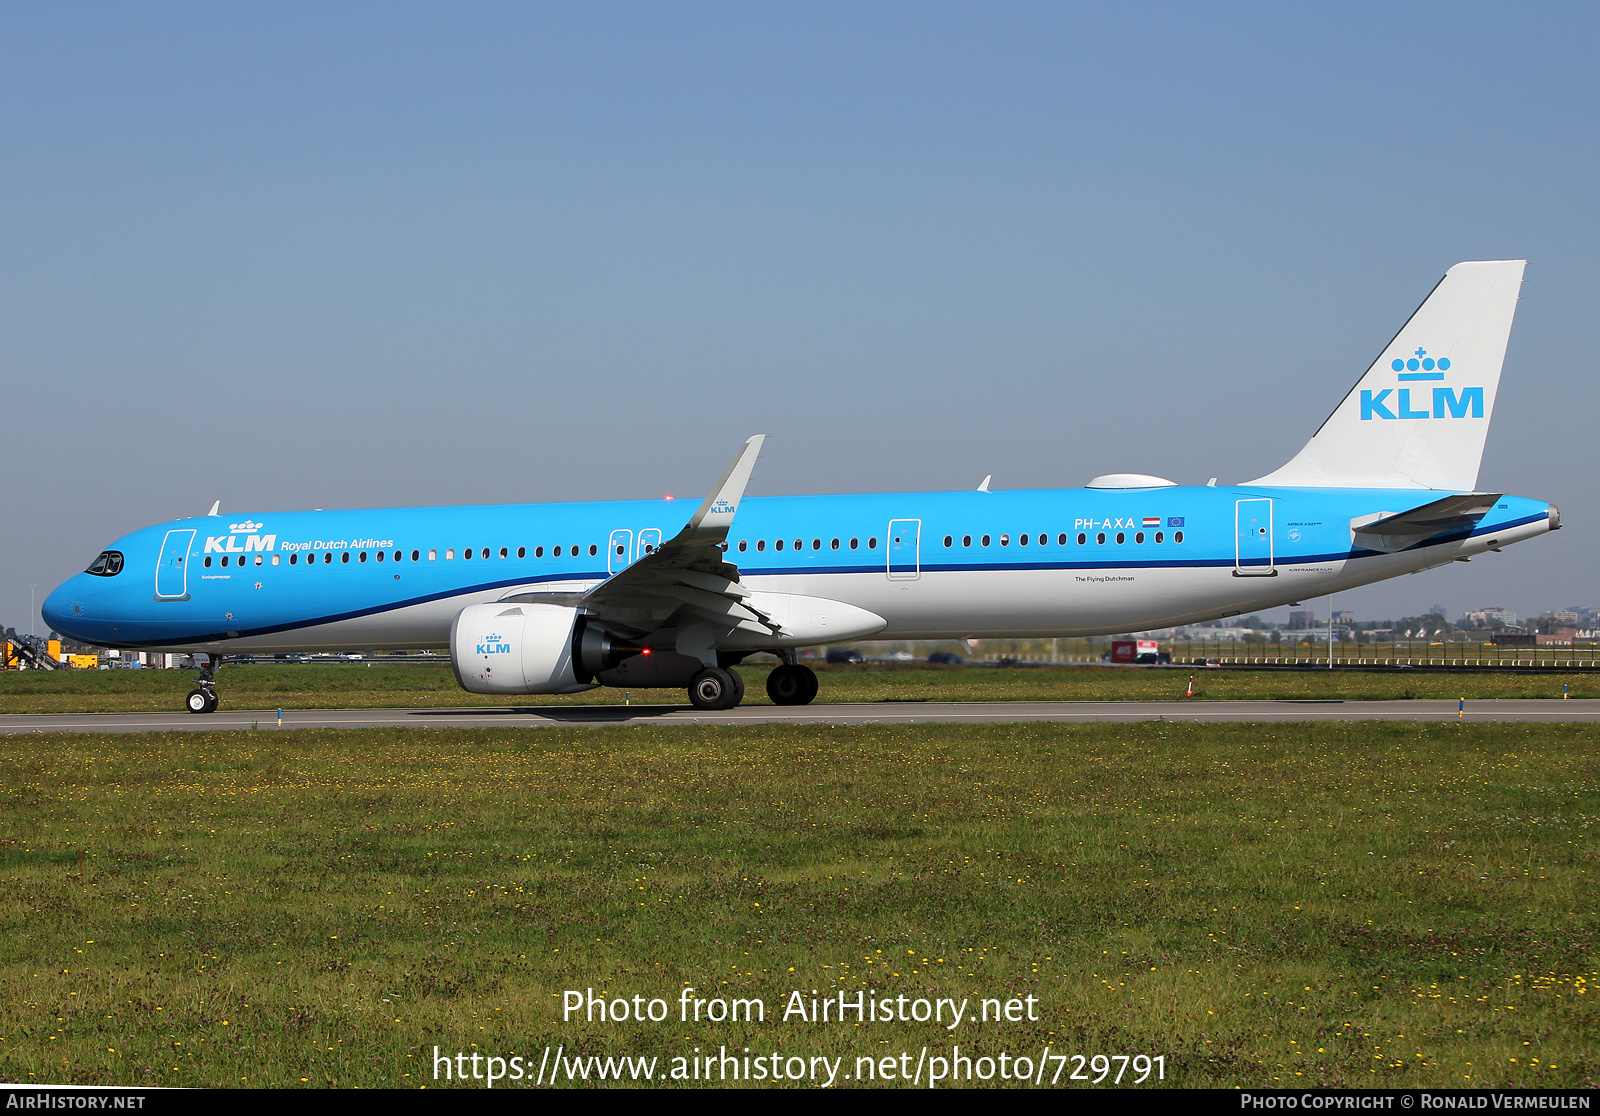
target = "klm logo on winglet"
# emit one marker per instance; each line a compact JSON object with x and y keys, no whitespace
{"x":491,"y":645}
{"x":1446,"y":402}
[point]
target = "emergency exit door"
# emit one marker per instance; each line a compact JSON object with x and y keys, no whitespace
{"x":905,"y":549}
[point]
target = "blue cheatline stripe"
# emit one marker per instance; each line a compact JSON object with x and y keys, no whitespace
{"x":968,"y":567}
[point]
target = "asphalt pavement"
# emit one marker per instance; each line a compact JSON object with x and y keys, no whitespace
{"x":873,"y":713}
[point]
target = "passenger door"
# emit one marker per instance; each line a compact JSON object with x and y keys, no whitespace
{"x":172,"y":569}
{"x":1252,"y":532}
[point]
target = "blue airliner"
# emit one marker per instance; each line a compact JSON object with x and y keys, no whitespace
{"x":558,"y":598}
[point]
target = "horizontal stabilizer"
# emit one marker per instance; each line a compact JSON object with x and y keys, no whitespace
{"x":1419,"y":416}
{"x":1390,"y":533}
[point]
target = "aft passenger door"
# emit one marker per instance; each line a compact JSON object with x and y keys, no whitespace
{"x":905,"y":549}
{"x":1252,"y":533}
{"x":172,"y":569}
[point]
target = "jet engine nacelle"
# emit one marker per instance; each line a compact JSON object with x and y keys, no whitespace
{"x":530,"y":649}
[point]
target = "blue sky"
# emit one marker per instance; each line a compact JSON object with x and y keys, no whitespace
{"x":354,"y":255}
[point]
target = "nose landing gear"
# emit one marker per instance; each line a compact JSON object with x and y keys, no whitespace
{"x":203,"y":698}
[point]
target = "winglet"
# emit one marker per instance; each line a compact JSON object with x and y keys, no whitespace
{"x":984,"y":487}
{"x":215,"y":508}
{"x":710,"y":524}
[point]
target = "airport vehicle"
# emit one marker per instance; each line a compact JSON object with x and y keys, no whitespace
{"x":558,"y":598}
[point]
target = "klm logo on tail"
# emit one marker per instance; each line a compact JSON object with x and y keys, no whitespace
{"x":1446,"y":402}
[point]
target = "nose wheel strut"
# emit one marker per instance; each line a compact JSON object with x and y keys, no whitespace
{"x":203,"y":698}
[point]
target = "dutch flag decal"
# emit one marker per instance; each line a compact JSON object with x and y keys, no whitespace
{"x":1152,"y":521}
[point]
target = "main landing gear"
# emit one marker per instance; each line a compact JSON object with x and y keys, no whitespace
{"x":203,"y":698}
{"x":715,"y":688}
{"x":719,"y":688}
{"x":792,"y":684}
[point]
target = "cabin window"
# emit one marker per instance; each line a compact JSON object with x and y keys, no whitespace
{"x":259,"y":559}
{"x":1139,"y":538}
{"x":433,"y":555}
{"x":1022,"y":540}
{"x":224,"y":559}
{"x":503,"y":552}
{"x":1061,"y":539}
{"x":799,"y":544}
{"x":345,"y":557}
{"x":853,"y":543}
{"x":274,"y":559}
{"x":538,"y":552}
{"x":966,"y":540}
{"x":744,"y":544}
{"x":449,"y":554}
{"x":761,"y":544}
{"x":522,"y":552}
{"x":1082,"y":538}
{"x":399,"y":554}
{"x":1121,"y":538}
{"x":816,"y":544}
{"x":466,"y":553}
{"x":872,"y":544}
{"x":555,"y":551}
{"x":1005,"y":540}
{"x":294,"y":559}
{"x":208,"y":561}
{"x":380,"y":555}
{"x":1043,"y":539}
{"x":1177,"y":536}
{"x":1160,"y":537}
{"x":778,"y":545}
{"x":363,"y":555}
{"x":984,"y":541}
{"x":948,"y":542}
{"x":1100,"y":538}
{"x":327,"y":559}
{"x":835,"y":544}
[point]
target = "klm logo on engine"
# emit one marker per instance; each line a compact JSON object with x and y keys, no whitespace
{"x":491,"y":645}
{"x":1401,"y":403}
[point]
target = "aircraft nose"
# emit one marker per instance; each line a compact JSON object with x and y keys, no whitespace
{"x":57,"y":607}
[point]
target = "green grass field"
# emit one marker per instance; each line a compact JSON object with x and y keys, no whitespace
{"x":268,"y":687}
{"x":1338,"y":904}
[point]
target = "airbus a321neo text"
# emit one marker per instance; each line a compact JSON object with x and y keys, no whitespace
{"x":558,"y":598}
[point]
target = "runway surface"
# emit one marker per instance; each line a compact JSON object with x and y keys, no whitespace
{"x":877,"y":713}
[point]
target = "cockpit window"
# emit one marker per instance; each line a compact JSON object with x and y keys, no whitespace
{"x":108,"y":564}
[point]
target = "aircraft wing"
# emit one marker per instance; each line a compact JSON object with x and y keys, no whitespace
{"x":690,"y":572}
{"x":1389,"y":533}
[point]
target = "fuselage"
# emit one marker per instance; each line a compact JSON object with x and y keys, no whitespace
{"x":933,"y":565}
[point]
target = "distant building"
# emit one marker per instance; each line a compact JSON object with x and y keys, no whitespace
{"x":1490,"y":615}
{"x":1344,"y":617}
{"x":1299,"y":620}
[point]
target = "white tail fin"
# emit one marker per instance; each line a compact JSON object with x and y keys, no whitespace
{"x":1419,"y":417}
